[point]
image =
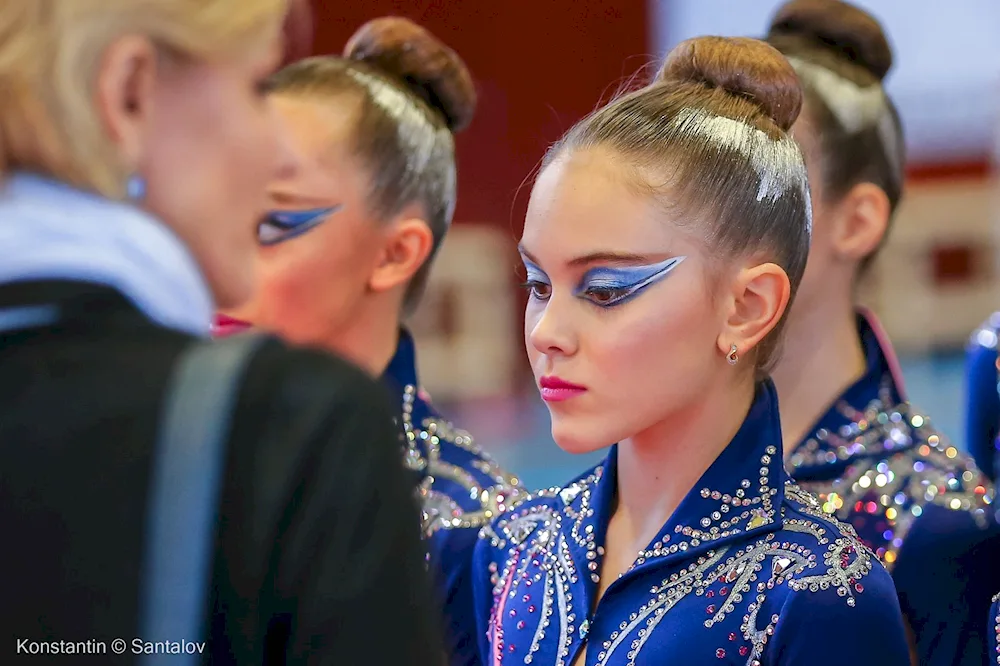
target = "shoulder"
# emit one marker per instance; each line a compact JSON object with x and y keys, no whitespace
{"x":821,"y":573}
{"x":293,"y":400}
{"x":531,"y":522}
{"x":284,"y":375}
{"x":932,"y":472}
{"x":831,"y":555}
{"x":902,"y":466}
{"x":463,"y":487}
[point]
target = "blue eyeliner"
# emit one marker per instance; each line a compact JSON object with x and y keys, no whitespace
{"x":281,"y":225}
{"x":607,"y":286}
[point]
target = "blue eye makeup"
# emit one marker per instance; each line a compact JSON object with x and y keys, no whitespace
{"x":606,"y":286}
{"x":281,"y":225}
{"x":537,"y":282}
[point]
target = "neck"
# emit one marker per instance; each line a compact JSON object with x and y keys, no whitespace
{"x":821,"y":358}
{"x":369,"y":340}
{"x":658,"y":467}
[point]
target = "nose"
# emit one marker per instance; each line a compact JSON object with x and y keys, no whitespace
{"x":550,"y":330}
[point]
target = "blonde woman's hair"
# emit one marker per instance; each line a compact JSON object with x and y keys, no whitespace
{"x":50,"y":54}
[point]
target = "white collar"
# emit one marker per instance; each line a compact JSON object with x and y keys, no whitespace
{"x":49,"y":230}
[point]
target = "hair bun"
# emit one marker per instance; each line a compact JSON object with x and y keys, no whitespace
{"x":849,"y":31}
{"x":434,"y":72}
{"x":741,"y":66}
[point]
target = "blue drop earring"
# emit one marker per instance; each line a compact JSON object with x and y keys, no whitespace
{"x":135,"y":188}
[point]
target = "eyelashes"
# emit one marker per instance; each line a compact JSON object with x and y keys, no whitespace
{"x":537,"y":283}
{"x":283,"y":225}
{"x":605,"y":287}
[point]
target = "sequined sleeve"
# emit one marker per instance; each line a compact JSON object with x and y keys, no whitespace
{"x":813,"y":627}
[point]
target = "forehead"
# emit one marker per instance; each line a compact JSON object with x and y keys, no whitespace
{"x":587,"y":202}
{"x":320,"y":127}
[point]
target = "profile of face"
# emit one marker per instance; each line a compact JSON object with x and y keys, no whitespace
{"x":625,"y":324}
{"x":322,"y":253}
{"x":204,"y":138}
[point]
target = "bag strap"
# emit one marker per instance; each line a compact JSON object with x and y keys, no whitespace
{"x":187,"y":477}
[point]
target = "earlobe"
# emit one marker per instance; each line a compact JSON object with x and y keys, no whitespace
{"x":863,"y":221}
{"x":408,"y":245}
{"x":124,"y":92}
{"x":760,"y":296}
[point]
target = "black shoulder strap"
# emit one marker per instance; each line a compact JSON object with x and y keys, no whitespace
{"x":187,"y":476}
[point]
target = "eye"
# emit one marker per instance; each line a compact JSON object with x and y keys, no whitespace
{"x":280,"y":226}
{"x":607,"y":296}
{"x":540,"y":291}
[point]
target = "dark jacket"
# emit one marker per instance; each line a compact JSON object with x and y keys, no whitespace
{"x":318,"y":558}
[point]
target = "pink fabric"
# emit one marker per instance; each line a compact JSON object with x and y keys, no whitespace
{"x":496,"y":628}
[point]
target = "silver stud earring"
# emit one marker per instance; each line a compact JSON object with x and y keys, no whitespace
{"x":135,"y":188}
{"x":732,"y":357}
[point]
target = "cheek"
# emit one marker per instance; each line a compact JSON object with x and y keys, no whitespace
{"x":309,"y":286}
{"x":655,"y":346}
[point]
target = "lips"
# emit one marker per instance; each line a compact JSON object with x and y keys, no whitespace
{"x":554,"y":389}
{"x":224,"y":326}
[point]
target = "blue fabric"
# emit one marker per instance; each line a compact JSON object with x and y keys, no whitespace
{"x":994,"y":622}
{"x":916,"y":500}
{"x":461,"y":490}
{"x":982,"y":413}
{"x":747,"y":570}
{"x":49,"y":230}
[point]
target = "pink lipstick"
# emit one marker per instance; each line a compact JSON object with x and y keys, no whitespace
{"x":554,"y":389}
{"x":224,"y":326}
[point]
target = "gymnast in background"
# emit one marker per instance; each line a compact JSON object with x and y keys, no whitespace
{"x":346,"y":253}
{"x":851,"y":437}
{"x":982,"y":394}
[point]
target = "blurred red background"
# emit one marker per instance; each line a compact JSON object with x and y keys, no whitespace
{"x":539,"y":65}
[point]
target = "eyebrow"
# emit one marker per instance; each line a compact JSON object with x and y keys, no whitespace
{"x":290,"y":199}
{"x":605,"y":257}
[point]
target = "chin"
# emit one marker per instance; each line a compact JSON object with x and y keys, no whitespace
{"x":575,"y":437}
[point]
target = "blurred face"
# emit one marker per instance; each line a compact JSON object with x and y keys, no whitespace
{"x":210,"y":147}
{"x":620,"y":327}
{"x":320,"y":247}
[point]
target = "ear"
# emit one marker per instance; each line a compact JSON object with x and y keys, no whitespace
{"x":407,"y":246}
{"x":125,"y":88}
{"x":860,"y":222}
{"x":758,"y":298}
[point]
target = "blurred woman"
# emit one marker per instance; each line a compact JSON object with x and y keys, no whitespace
{"x":347,"y":249}
{"x":852,"y":438}
{"x":665,"y":236}
{"x":134,"y":135}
